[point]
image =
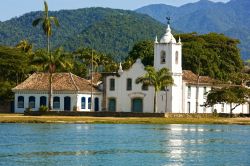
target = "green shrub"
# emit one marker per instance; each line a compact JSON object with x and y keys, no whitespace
{"x":215,"y":114}
{"x":43,"y":108}
{"x":28,"y":109}
{"x":75,"y":109}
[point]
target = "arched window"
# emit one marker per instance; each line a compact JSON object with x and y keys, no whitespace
{"x":129,"y":84}
{"x":20,"y":102}
{"x":112,"y":84}
{"x":56,"y":102}
{"x":83,"y":105}
{"x":89,"y":103}
{"x":163,"y":57}
{"x":176,"y":57}
{"x":32,"y":102}
{"x":96,"y":104}
{"x":43,"y":101}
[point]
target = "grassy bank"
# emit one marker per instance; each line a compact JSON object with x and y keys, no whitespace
{"x":19,"y":118}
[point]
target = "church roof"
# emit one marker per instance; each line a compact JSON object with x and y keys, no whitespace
{"x":191,"y":78}
{"x":61,"y":82}
{"x":168,"y":37}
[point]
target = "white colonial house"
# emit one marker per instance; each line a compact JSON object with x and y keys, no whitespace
{"x":187,"y":95}
{"x":69,"y":92}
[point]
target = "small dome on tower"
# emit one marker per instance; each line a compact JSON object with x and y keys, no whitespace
{"x":168,"y":37}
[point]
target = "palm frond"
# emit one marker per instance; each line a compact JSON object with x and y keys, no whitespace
{"x":55,"y":20}
{"x":36,"y":21}
{"x":46,"y":8}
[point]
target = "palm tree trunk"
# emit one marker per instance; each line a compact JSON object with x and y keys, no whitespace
{"x":155,"y":102}
{"x":50,"y":91}
{"x":50,"y":76}
{"x":48,"y":44}
{"x":231,"y":110}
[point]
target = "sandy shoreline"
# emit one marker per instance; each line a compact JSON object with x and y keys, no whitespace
{"x":20,"y":118}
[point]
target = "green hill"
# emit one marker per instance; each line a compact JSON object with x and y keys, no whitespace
{"x":231,"y":18}
{"x":107,"y":30}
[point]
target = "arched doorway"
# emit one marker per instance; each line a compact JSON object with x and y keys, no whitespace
{"x":96,"y":104}
{"x":112,"y":105}
{"x":67,"y":103}
{"x":137,"y":105}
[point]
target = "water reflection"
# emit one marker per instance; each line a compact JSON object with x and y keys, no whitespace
{"x":88,"y":144}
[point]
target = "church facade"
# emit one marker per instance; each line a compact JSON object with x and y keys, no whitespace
{"x":185,"y":96}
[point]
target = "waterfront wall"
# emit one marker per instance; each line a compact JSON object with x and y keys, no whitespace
{"x":130,"y":114}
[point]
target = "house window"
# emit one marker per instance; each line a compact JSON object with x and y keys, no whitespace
{"x":20,"y":102}
{"x":188,"y":107}
{"x":189,"y":92}
{"x":112,"y":84}
{"x":129,"y":84}
{"x":83,"y":103}
{"x":43,"y":101}
{"x":56,"y":103}
{"x":204,"y":92}
{"x":32,"y":102}
{"x":144,"y":87}
{"x":222,"y":107}
{"x":89,"y":103}
{"x":163,"y":57}
{"x":176,"y":57}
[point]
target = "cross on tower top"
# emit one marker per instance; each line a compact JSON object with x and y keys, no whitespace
{"x":168,"y":19}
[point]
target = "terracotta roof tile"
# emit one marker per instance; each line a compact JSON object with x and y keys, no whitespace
{"x":191,"y":78}
{"x":61,"y":82}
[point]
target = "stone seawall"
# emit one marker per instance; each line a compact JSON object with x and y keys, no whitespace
{"x":129,"y":114}
{"x":170,"y":115}
{"x":94,"y":114}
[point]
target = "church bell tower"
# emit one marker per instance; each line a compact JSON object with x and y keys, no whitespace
{"x":168,"y":54}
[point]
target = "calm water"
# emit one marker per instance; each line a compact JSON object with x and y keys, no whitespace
{"x":118,"y":145}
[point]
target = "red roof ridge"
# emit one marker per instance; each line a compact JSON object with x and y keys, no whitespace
{"x":71,"y":76}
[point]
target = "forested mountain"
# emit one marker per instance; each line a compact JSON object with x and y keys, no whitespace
{"x":230,"y":18}
{"x":107,"y":30}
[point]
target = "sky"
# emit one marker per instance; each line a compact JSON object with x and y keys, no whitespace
{"x":15,"y":8}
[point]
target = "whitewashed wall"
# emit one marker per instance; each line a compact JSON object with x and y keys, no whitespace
{"x":123,"y":96}
{"x":75,"y":100}
{"x":202,"y":99}
{"x":88,"y":95}
{"x":174,"y":94}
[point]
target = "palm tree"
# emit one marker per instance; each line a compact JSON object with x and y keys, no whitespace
{"x":158,"y":79}
{"x":46,"y":21}
{"x":25,"y":46}
{"x":53,"y":62}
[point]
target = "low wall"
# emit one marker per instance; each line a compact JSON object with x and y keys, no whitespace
{"x":171,"y":115}
{"x":94,"y":114}
{"x":5,"y":108}
{"x":129,"y":114}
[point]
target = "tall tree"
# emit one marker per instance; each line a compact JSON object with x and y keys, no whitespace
{"x":232,"y":95}
{"x":158,"y":79}
{"x":57,"y":60}
{"x":143,"y":50}
{"x":46,"y":21}
{"x":25,"y":46}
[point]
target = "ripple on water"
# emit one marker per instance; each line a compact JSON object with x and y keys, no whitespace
{"x":90,"y":144}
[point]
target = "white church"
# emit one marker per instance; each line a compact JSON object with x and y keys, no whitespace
{"x":124,"y":95}
{"x":118,"y":92}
